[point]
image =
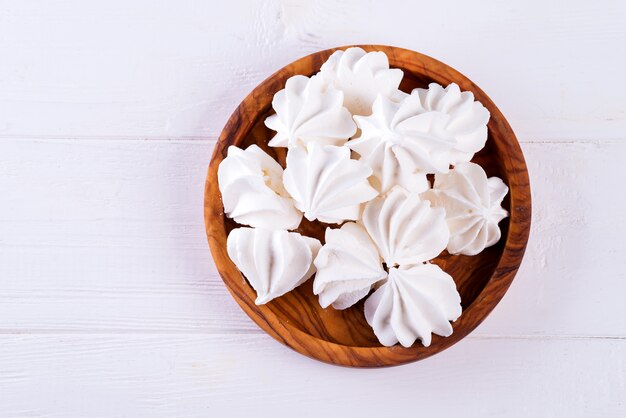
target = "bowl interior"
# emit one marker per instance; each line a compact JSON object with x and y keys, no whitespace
{"x":300,"y":307}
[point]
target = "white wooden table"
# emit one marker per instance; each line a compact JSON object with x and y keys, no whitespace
{"x":110,"y":304}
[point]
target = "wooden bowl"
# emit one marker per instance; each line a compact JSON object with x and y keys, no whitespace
{"x":344,"y":337}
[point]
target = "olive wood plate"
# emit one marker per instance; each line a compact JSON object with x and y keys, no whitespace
{"x":344,"y":337}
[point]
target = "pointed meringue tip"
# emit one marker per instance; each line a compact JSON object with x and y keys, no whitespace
{"x":324,"y":303}
{"x":262,"y":300}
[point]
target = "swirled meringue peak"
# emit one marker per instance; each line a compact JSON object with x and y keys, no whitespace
{"x":361,"y":76}
{"x":253,"y":192}
{"x":414,"y":303}
{"x":405,"y":229}
{"x":402,"y":143}
{"x":473,"y":207}
{"x":309,"y":110}
{"x":466,"y":122}
{"x":326,"y":184}
{"x":274,"y":262}
{"x":347,"y":266}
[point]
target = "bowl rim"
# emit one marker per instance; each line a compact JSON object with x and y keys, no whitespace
{"x":238,"y":127}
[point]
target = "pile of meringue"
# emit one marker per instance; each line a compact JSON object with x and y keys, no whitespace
{"x":358,"y":154}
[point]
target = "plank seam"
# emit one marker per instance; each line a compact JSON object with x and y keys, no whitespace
{"x":244,"y":332}
{"x":202,"y":140}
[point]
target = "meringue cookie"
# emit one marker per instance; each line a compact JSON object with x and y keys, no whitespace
{"x":347,"y":266}
{"x":405,"y":229}
{"x":467,"y":121}
{"x":361,"y":77}
{"x":473,"y":207}
{"x":402,"y":143}
{"x":326,"y":184}
{"x":252,"y":190}
{"x":307,"y":109}
{"x":274,"y":262}
{"x":414,"y":303}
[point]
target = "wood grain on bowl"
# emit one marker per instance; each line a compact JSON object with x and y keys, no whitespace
{"x":344,"y":337}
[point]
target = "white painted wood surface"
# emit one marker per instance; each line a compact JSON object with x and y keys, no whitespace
{"x":110,"y":304}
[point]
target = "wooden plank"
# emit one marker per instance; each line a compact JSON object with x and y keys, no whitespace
{"x":218,"y":375}
{"x":178,"y":69}
{"x":108,"y":236}
{"x":574,"y":265}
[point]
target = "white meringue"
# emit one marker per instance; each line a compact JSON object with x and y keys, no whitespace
{"x":414,"y":303}
{"x":467,"y":121}
{"x":361,"y":77}
{"x":473,"y":207}
{"x":274,"y":262}
{"x":326,"y":184}
{"x":402,"y":143}
{"x":405,"y":229}
{"x":347,"y":266}
{"x":253,"y":192}
{"x":307,"y":109}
